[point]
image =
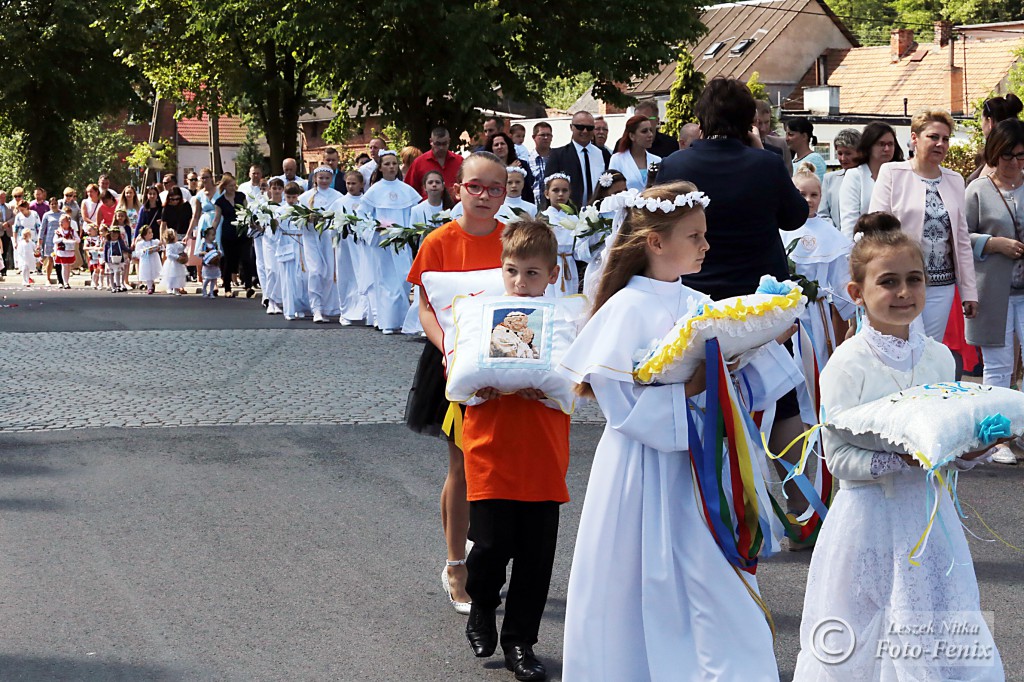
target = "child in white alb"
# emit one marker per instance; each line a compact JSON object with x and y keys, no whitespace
{"x":211,"y":254}
{"x":514,"y":196}
{"x":147,"y":251}
{"x":94,"y":254}
{"x":26,"y":254}
{"x":860,"y":574}
{"x":174,"y":272}
{"x":556,"y":190}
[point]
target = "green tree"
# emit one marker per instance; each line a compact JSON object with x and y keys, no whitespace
{"x":249,"y":154}
{"x":242,"y":57}
{"x":57,"y":70}
{"x":12,"y":163}
{"x":684,"y":94}
{"x":432,"y":66}
{"x":98,"y":146}
{"x":561,"y":92}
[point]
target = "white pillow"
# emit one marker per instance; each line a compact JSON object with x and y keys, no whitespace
{"x":510,"y":343}
{"x":740,"y":324}
{"x":940,"y":421}
{"x":442,"y":287}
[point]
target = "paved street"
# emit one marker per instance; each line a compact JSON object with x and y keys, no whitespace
{"x":265,"y":516}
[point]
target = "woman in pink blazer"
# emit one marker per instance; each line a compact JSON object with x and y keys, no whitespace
{"x":929,"y":202}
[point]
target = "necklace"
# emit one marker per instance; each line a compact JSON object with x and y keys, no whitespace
{"x":674,"y":315}
{"x":1007,"y":186}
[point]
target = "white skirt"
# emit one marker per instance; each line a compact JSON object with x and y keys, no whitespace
{"x":860,"y":573}
{"x":651,"y":596}
{"x":149,"y":267}
{"x":173,"y":274}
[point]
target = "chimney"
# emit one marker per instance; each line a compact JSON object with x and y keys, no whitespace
{"x":943,"y":32}
{"x":956,"y":90}
{"x":901,"y":42}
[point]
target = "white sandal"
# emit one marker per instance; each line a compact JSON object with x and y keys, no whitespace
{"x":459,"y":606}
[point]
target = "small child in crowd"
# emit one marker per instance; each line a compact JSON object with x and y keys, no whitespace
{"x":557,"y":192}
{"x":147,"y":251}
{"x":174,"y":271}
{"x":514,"y":196}
{"x":210,"y":254}
{"x":94,"y":254}
{"x":26,"y":253}
{"x":511,"y":516}
{"x":115,"y":252}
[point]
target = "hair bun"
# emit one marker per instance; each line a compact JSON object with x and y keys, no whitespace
{"x":1014,"y":105}
{"x":877,"y":223}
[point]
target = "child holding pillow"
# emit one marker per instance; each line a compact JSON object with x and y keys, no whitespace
{"x":651,"y":595}
{"x":473,"y":242}
{"x":860,"y":571}
{"x":513,"y":516}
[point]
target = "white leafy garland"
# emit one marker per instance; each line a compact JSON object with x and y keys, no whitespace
{"x":632,"y":198}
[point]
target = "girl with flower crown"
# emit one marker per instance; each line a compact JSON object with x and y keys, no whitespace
{"x":321,"y":282}
{"x":514,"y":196}
{"x":557,"y":192}
{"x":651,"y":595}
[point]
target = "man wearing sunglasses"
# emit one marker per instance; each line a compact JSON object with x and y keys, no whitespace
{"x":578,"y":157}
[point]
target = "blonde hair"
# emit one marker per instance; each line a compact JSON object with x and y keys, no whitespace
{"x":170,"y":235}
{"x":806,"y":171}
{"x":628,"y":256}
{"x":530,"y":238}
{"x":923,"y":117}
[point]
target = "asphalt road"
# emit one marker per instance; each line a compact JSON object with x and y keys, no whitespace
{"x":290,"y":552}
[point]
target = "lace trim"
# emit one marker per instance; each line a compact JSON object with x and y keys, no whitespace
{"x":884,"y":463}
{"x":894,"y":351}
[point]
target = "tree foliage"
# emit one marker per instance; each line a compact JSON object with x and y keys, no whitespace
{"x":561,"y":92}
{"x":249,"y":154}
{"x":872,"y":20}
{"x":422,"y":63}
{"x":230,"y":57}
{"x":56,"y":70}
{"x":684,"y":94}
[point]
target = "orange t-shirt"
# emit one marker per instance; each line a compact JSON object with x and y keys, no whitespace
{"x":449,"y":248}
{"x":515,"y":449}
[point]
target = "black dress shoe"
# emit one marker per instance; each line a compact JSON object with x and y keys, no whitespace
{"x":481,"y":631}
{"x":521,"y":661}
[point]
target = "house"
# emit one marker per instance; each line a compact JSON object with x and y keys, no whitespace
{"x":779,"y":39}
{"x":955,"y":70}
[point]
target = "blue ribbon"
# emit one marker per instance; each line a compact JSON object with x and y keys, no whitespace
{"x":992,"y":428}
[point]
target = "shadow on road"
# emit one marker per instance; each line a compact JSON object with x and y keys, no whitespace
{"x":32,"y":669}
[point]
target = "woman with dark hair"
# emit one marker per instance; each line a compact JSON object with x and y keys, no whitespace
{"x":994,"y":111}
{"x":800,"y":137}
{"x":752,"y":198}
{"x":150,"y":211}
{"x":877,"y":146}
{"x":177,"y":215}
{"x":632,"y":155}
{"x":995,"y":218}
{"x":501,"y":145}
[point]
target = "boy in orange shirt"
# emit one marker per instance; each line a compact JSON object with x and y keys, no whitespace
{"x":516,"y":457}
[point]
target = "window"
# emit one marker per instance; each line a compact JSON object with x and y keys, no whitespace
{"x":741,"y":47}
{"x":713,"y":50}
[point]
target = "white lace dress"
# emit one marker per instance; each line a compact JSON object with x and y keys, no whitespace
{"x":860,"y":575}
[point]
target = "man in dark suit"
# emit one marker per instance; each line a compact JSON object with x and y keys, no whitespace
{"x":578,"y":157}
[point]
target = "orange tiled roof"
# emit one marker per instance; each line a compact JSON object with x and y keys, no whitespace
{"x":870,"y":83}
{"x":197,"y":130}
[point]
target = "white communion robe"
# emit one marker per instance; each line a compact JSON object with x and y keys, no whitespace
{"x":362,"y":253}
{"x":821,"y":254}
{"x":421,"y":213}
{"x":505,"y":213}
{"x":267,"y":245}
{"x":651,"y":596}
{"x":319,"y":252}
{"x":264,"y":271}
{"x":351,"y":303}
{"x":391,"y":201}
{"x":568,"y":283}
{"x":860,"y":570}
{"x":289,"y":253}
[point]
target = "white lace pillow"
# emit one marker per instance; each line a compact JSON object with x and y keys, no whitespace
{"x":939,"y":421}
{"x":510,"y":343}
{"x":442,"y":287}
{"x":740,"y":324}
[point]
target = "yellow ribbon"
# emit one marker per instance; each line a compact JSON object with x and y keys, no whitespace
{"x":452,"y":424}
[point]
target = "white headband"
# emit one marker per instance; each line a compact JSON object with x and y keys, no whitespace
{"x":516,"y":169}
{"x":324,"y":169}
{"x":387,"y":152}
{"x":632,"y":198}
{"x":556,"y":176}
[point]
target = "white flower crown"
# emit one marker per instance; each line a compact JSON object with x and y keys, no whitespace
{"x":632,"y":198}
{"x":323,"y":169}
{"x":516,"y":169}
{"x":556,"y":176}
{"x":606,"y":180}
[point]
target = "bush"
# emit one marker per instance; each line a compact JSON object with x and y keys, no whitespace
{"x":963,"y":158}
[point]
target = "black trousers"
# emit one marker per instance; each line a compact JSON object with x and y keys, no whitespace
{"x":524,"y":533}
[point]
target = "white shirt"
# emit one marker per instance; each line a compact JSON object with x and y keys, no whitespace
{"x":596,"y":166}
{"x":251,"y":192}
{"x":301,"y":182}
{"x":367,"y":170}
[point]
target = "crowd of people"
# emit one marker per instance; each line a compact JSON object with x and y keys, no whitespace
{"x":894,"y":247}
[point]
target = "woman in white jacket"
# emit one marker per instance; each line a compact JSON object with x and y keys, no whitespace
{"x":877,"y":146}
{"x":632,"y":157}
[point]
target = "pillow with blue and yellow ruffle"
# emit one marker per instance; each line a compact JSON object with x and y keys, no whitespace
{"x":510,"y":343}
{"x":936,"y":423}
{"x":740,"y":323}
